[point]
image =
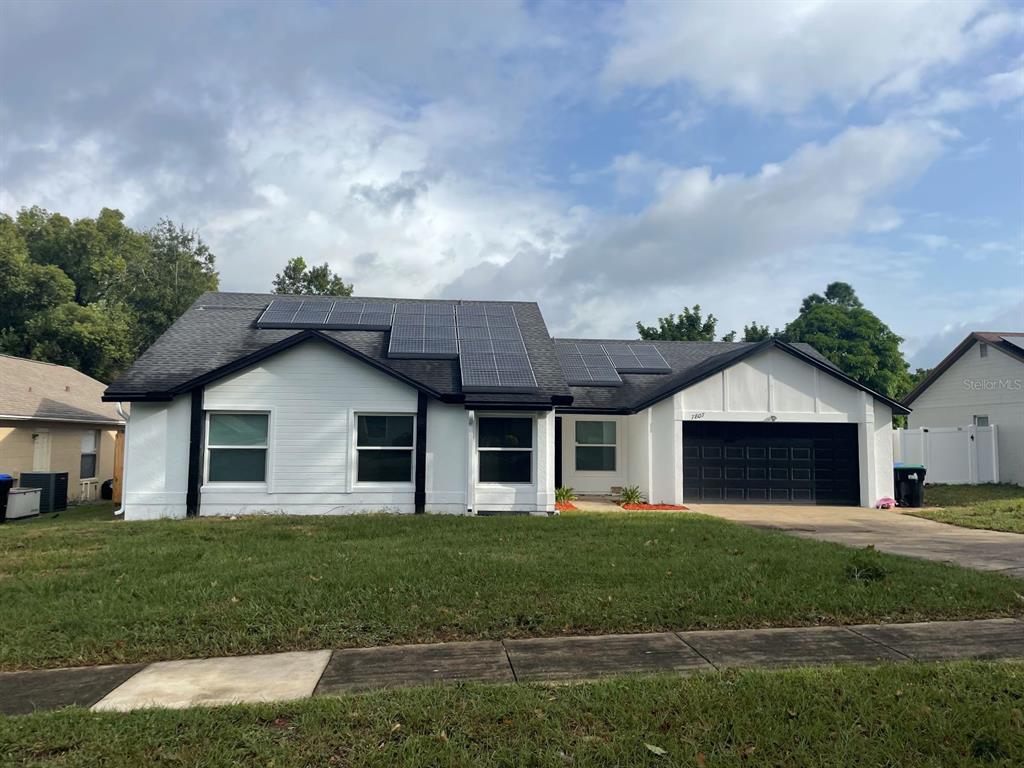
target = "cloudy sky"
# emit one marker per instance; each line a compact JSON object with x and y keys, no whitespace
{"x":613,"y":161}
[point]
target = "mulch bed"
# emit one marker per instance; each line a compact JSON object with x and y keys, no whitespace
{"x":565,"y":506}
{"x":653,"y":507}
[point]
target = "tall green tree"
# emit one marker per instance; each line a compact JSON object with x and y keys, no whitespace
{"x":755,"y":332}
{"x":689,"y":325}
{"x":93,"y":293}
{"x":300,"y":279}
{"x":851,"y":336}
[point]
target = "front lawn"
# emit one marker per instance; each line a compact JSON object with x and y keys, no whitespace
{"x":996,"y":507}
{"x":898,"y":715}
{"x":117,"y":592}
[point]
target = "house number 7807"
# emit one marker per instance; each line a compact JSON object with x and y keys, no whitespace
{"x":698,"y":415}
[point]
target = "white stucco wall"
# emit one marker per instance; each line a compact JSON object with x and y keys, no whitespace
{"x":156,"y":459}
{"x":447,"y":476}
{"x":990,"y":386}
{"x":630,"y":435}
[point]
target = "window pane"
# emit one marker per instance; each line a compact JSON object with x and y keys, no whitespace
{"x":247,"y":465}
{"x":89,"y":441}
{"x":238,"y":429}
{"x":505,"y":466}
{"x":388,"y":431}
{"x":589,"y":459}
{"x":595,"y":432}
{"x":88,"y":467}
{"x":385,"y":466}
{"x":506,"y":433}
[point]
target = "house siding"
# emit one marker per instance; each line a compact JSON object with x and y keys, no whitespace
{"x":17,"y":451}
{"x":535,"y":497}
{"x":156,"y":460}
{"x":963,"y":391}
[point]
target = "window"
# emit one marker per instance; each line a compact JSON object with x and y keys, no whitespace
{"x":981,"y":421}
{"x":237,"y":447}
{"x":384,"y":449}
{"x":595,"y":446}
{"x":90,"y":444}
{"x":982,"y":349}
{"x":505,"y":449}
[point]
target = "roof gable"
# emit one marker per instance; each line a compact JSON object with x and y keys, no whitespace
{"x":31,"y":389}
{"x":994,"y":339}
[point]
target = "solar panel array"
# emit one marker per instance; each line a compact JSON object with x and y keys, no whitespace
{"x":1017,"y":341}
{"x":328,"y":314}
{"x":492,"y":354}
{"x":424,"y":330}
{"x":599,"y":365}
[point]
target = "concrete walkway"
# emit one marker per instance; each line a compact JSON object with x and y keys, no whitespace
{"x":886,"y":530}
{"x":301,"y":674}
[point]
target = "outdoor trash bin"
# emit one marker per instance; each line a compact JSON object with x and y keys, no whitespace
{"x":908,"y":484}
{"x":6,"y":483}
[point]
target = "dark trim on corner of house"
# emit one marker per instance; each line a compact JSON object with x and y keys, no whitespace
{"x":420,"y":494}
{"x":195,"y":454}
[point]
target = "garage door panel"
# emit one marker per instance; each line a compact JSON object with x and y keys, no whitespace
{"x":800,"y":463}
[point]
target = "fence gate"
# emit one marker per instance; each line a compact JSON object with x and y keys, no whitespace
{"x":960,"y":455}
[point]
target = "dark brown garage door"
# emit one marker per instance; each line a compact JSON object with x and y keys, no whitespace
{"x":741,"y":462}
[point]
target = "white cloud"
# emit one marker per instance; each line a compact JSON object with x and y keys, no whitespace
{"x":781,"y":56}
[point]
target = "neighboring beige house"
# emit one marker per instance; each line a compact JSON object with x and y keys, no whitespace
{"x":53,"y":420}
{"x":980,"y":384}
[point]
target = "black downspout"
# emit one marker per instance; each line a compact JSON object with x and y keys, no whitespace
{"x":420,"y":495}
{"x":195,"y":454}
{"x":558,"y":451}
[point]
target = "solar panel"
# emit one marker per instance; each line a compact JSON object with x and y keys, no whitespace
{"x":1017,"y":341}
{"x":492,"y":353}
{"x":279,"y":311}
{"x":313,"y":312}
{"x":587,"y":365}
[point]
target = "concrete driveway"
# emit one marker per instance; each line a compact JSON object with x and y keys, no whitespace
{"x":887,"y":530}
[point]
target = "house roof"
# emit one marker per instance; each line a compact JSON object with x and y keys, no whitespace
{"x":691,"y":362}
{"x":30,"y":389}
{"x":218,"y":335}
{"x":992,"y":338}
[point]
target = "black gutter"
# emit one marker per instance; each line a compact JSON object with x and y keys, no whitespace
{"x":195,"y":454}
{"x":420,"y":494}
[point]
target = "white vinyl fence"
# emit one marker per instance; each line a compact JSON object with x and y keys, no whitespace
{"x":950,"y":454}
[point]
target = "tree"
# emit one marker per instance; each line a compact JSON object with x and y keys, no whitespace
{"x":174,"y":268}
{"x":853,"y":338}
{"x":690,"y":325}
{"x":297,"y":278}
{"x":755,"y":332}
{"x":93,"y":293}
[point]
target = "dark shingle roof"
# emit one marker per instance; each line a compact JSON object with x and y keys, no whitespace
{"x":219,"y":329}
{"x":691,"y":361}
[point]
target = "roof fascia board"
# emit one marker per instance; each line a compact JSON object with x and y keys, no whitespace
{"x":110,"y":422}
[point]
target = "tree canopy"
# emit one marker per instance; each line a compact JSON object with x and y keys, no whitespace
{"x":94,"y":293}
{"x":689,"y":325}
{"x":298,"y":278}
{"x":853,"y":338}
{"x":836,"y":323}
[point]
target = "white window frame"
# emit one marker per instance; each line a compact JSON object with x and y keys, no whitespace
{"x":978,"y":416}
{"x":356,"y":448}
{"x":481,"y":449}
{"x":614,"y":446}
{"x":95,"y":453}
{"x":207,"y":446}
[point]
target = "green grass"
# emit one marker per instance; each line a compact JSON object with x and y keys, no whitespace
{"x":100,"y":511}
{"x":118,"y":592}
{"x":996,"y":507}
{"x":901,"y":715}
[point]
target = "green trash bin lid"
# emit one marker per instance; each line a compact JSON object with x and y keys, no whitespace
{"x":908,"y":466}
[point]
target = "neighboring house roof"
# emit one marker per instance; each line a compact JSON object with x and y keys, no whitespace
{"x":218,"y":335}
{"x":992,"y":338}
{"x":691,"y":362}
{"x":30,"y":389}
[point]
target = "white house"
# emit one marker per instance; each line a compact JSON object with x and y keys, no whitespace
{"x":981,"y":384}
{"x":256,"y":403}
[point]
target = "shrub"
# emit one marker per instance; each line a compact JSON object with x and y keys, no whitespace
{"x":564,"y":495}
{"x":632,"y":494}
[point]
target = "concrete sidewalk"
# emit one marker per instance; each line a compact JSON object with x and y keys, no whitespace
{"x":301,"y":674}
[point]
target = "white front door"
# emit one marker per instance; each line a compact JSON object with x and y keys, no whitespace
{"x":41,"y":451}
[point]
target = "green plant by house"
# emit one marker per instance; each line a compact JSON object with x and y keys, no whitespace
{"x":564,"y":495}
{"x":632,"y":494}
